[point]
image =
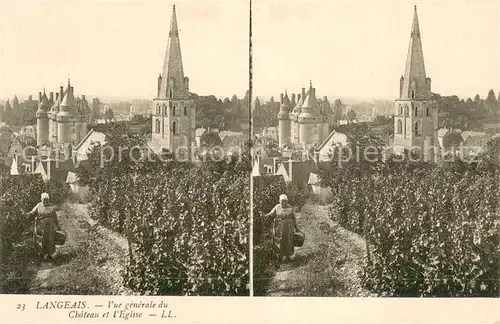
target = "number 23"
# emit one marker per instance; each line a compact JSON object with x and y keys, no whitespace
{"x":21,"y":306}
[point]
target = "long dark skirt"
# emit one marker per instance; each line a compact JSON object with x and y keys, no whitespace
{"x":283,"y":233}
{"x":48,"y":227}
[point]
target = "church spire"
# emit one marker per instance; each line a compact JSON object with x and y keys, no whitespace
{"x":415,"y":84}
{"x":173,"y":82}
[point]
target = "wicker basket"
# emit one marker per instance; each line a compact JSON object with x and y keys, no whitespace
{"x":60,"y":237}
{"x":298,"y":239}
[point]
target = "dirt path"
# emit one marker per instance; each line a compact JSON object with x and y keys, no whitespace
{"x":89,"y":263}
{"x":327,"y":265}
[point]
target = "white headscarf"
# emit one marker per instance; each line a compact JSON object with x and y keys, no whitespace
{"x":45,"y":196}
{"x":283,"y":197}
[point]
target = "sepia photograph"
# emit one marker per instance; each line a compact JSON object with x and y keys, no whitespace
{"x":376,"y":164}
{"x":125,"y":164}
{"x":234,"y":151}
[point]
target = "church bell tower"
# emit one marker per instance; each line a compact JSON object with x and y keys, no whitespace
{"x":415,"y":121}
{"x":173,"y":109}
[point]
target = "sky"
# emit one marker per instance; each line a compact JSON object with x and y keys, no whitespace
{"x":113,"y":48}
{"x":348,"y":48}
{"x":358,"y":48}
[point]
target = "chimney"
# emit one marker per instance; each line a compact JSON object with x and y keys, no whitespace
{"x":303,"y":94}
{"x":281,"y":98}
{"x":57,"y":96}
{"x":83,"y":98}
{"x":51,"y":98}
{"x":298,"y":97}
{"x":61,"y":92}
{"x":325,"y":99}
{"x":39,"y":97}
{"x":293,"y":97}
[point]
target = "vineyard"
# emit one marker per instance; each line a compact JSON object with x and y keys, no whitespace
{"x":19,"y":194}
{"x":430,"y":230}
{"x":265,"y":196}
{"x":186,"y":225}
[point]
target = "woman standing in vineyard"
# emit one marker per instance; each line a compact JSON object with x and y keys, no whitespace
{"x":48,"y":223}
{"x":284,"y":225}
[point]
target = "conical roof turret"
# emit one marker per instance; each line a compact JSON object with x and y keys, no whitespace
{"x":284,"y":108}
{"x":310,"y":105}
{"x":43,"y":106}
{"x":67,"y":107}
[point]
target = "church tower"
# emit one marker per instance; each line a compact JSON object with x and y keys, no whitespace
{"x":415,"y":112}
{"x":173,"y":108}
{"x":284,"y":121}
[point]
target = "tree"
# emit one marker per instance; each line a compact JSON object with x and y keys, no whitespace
{"x":109,"y":115}
{"x":338,"y":106}
{"x":96,"y":108}
{"x":351,"y":115}
{"x":7,"y":113}
{"x":491,"y":103}
{"x":257,"y":104}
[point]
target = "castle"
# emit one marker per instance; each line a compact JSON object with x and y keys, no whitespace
{"x":416,"y":115}
{"x":61,"y":120}
{"x":173,"y":125}
{"x":304,"y":123}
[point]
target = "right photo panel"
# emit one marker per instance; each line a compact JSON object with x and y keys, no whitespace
{"x":376,"y":161}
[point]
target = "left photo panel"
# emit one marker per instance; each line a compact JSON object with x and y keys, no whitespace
{"x":124,"y":148}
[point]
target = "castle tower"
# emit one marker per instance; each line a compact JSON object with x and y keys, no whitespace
{"x":85,"y":116}
{"x":415,"y":112}
{"x":324,"y":126}
{"x":42,"y":120}
{"x":65,"y":117}
{"x":54,"y":110}
{"x":309,"y":119}
{"x":173,"y":109}
{"x":294,"y":117}
{"x":284,"y":121}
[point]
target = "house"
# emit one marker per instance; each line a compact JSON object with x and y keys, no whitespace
{"x":296,"y":172}
{"x":52,"y":169}
{"x":450,"y":139}
{"x":29,"y":131}
{"x":492,"y":127}
{"x":261,"y":151}
{"x":20,"y":157}
{"x":75,"y":186}
{"x":268,"y":165}
{"x":82,"y":149}
{"x":270,"y":132}
{"x":20,"y":165}
{"x":198,"y":133}
{"x":325,"y":151}
{"x":256,"y":170}
{"x":232,"y":139}
{"x":474,"y":142}
{"x":209,"y":139}
{"x":320,"y":190}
